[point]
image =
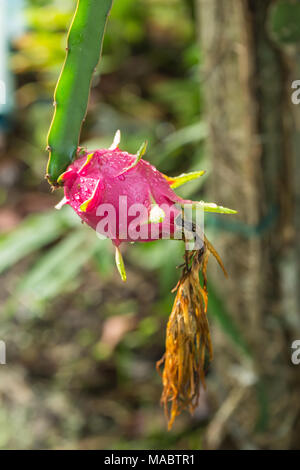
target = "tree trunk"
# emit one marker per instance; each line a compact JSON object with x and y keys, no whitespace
{"x":252,"y":144}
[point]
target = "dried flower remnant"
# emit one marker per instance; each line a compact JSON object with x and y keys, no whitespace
{"x":188,"y":340}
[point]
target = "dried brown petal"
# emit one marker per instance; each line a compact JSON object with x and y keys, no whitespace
{"x":188,"y":339}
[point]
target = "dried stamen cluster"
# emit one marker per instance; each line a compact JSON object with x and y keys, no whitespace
{"x":188,"y":340}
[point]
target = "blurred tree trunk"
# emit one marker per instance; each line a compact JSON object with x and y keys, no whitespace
{"x":253,"y":129}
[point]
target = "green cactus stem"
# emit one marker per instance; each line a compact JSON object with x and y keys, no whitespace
{"x":72,"y":91}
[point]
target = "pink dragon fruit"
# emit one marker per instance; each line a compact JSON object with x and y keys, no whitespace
{"x":124,"y":197}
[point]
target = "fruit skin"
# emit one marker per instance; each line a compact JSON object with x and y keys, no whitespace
{"x":105,"y":175}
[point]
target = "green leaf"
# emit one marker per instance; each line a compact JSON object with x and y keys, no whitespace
{"x":72,"y":92}
{"x":116,"y":141}
{"x":35,"y":232}
{"x":53,"y":271}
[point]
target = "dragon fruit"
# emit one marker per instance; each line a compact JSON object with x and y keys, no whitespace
{"x":123,"y":196}
{"x":113,"y":191}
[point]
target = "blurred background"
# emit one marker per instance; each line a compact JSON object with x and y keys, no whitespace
{"x":209,"y":84}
